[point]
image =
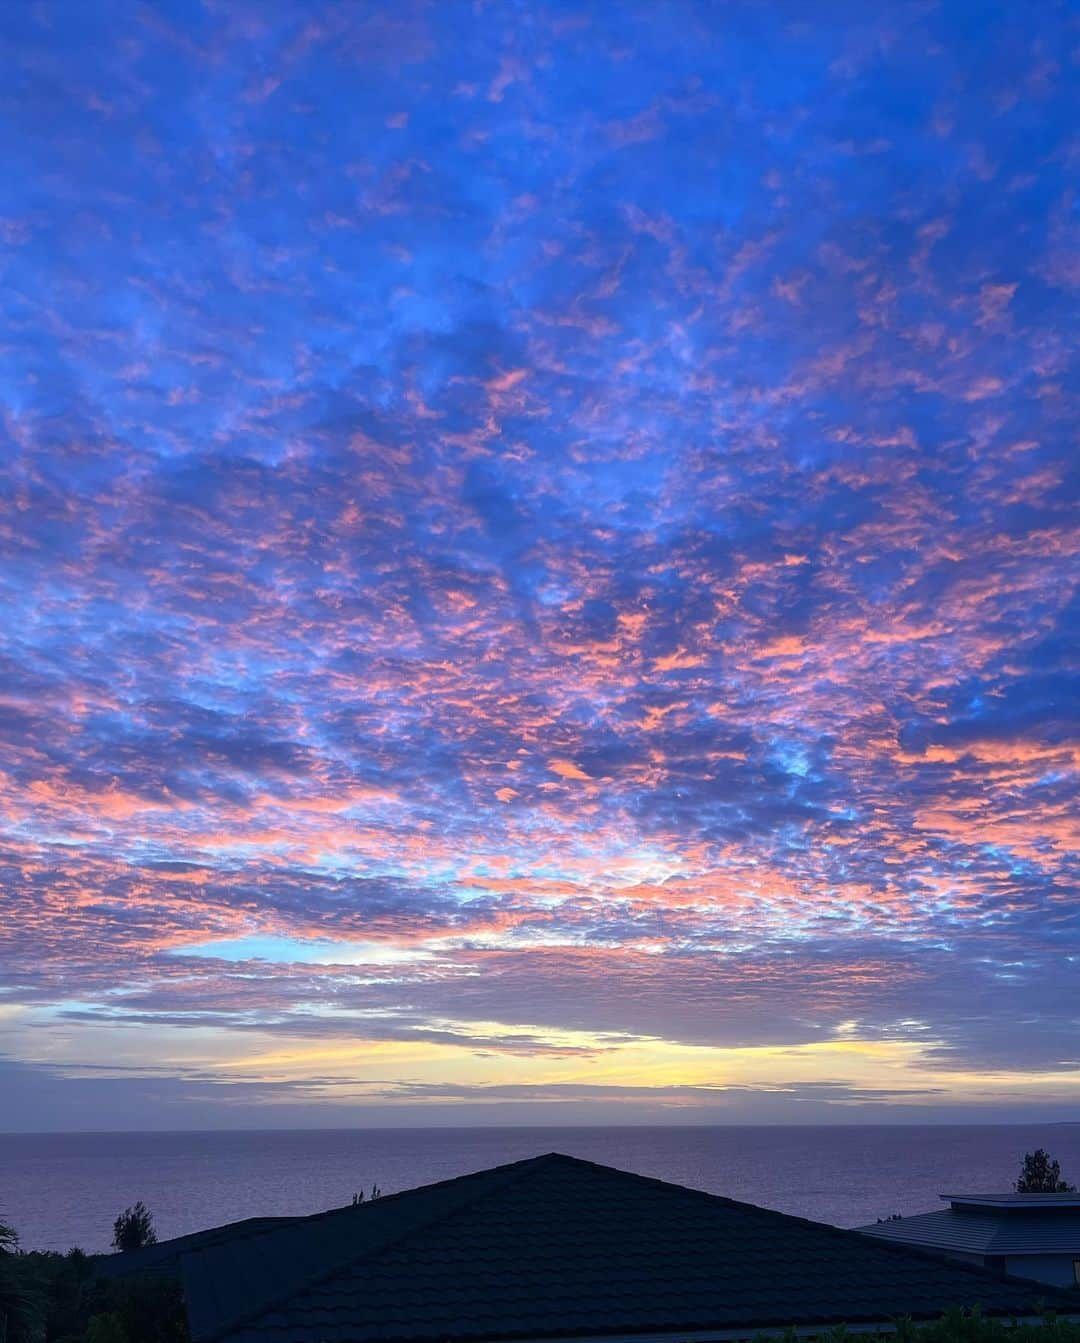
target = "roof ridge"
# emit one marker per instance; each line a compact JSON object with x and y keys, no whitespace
{"x":347,"y":1208}
{"x":400,"y":1193}
{"x":510,"y":1172}
{"x":841,"y":1232}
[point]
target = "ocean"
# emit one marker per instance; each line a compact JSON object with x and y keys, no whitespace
{"x":60,"y":1190}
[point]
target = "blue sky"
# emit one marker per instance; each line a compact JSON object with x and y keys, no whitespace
{"x":539,"y":555}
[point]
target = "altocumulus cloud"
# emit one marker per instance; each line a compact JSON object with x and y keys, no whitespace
{"x":535,"y":538}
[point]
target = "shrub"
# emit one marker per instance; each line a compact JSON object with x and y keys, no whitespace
{"x":1040,"y":1174}
{"x":134,"y":1229}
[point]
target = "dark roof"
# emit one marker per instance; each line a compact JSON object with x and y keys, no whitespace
{"x":556,"y":1247}
{"x":164,"y":1257}
{"x":984,"y":1231}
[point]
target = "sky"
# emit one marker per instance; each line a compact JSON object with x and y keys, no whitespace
{"x":539,"y":562}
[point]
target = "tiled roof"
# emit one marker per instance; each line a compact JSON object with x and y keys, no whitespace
{"x":985,"y":1232}
{"x":164,"y":1257}
{"x":556,"y":1247}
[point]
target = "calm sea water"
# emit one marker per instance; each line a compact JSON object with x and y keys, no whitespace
{"x":60,"y":1190}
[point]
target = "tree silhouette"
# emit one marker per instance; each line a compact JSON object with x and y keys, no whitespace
{"x":134,"y":1228}
{"x":20,"y":1306}
{"x":1041,"y":1175}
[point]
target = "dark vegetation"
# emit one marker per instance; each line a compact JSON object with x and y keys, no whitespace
{"x":1040,"y":1174}
{"x":17,"y":1301}
{"x":134,"y":1228}
{"x":958,"y":1326}
{"x":59,"y":1298}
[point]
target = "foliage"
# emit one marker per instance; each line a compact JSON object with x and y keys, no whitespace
{"x":376,"y":1192}
{"x":20,"y":1303}
{"x":71,"y":1304}
{"x":108,"y":1328}
{"x":1040,"y":1174}
{"x":65,"y":1282}
{"x":134,"y":1228}
{"x":146,"y":1310}
{"x":956,"y":1326}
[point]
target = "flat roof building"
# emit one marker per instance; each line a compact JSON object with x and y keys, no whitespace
{"x":1033,"y":1236}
